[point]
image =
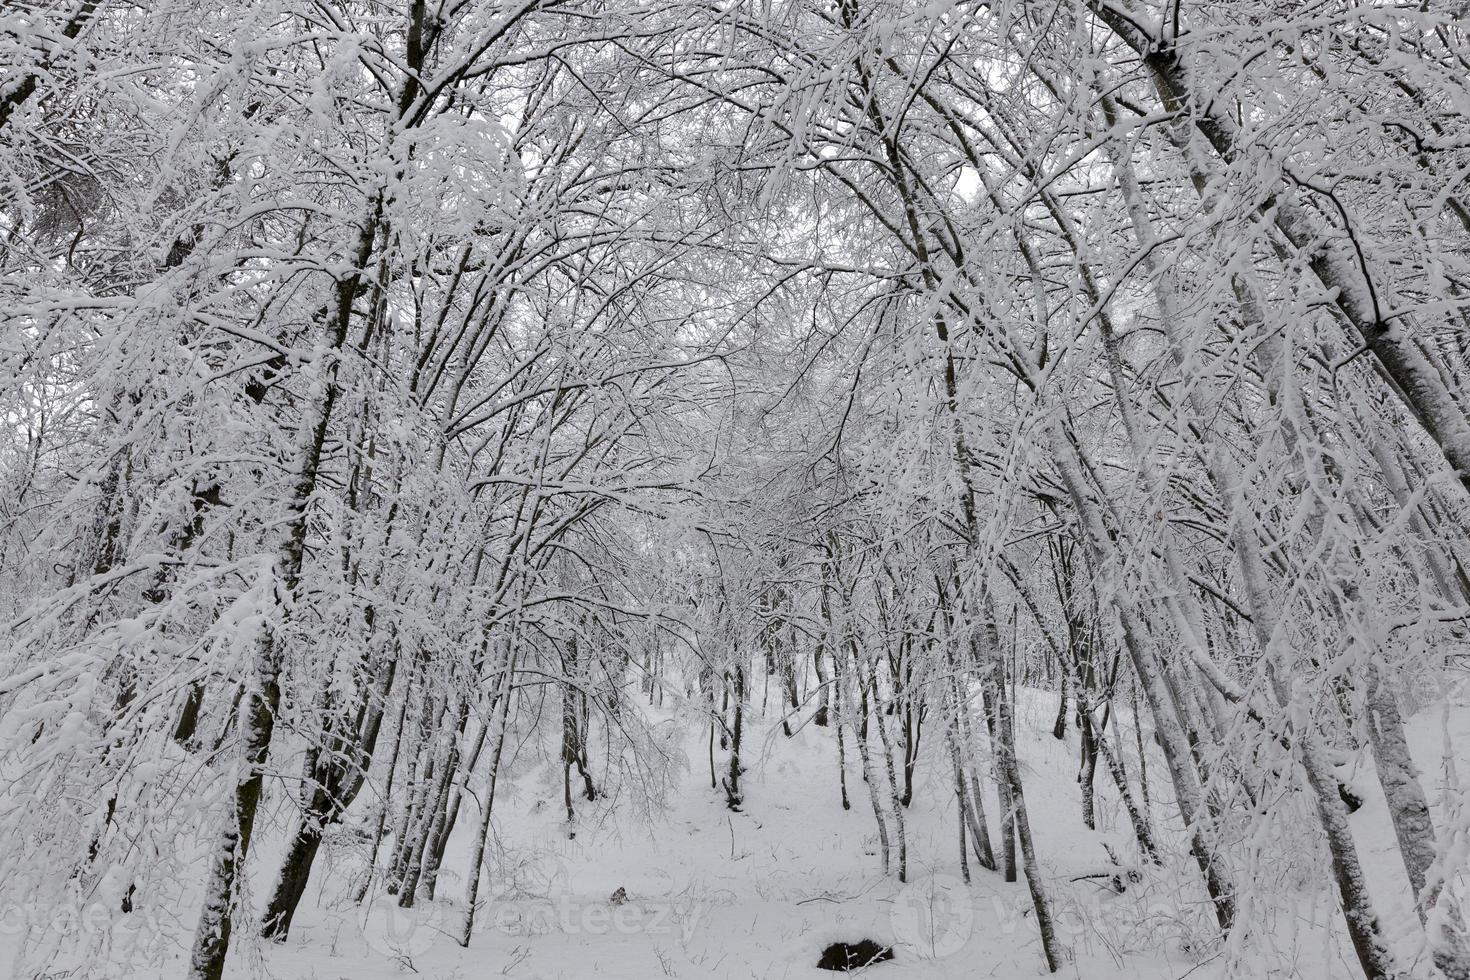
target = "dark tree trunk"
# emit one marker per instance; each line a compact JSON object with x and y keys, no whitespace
{"x":1059,"y":728}
{"x":733,"y":795}
{"x":291,"y":883}
{"x":188,"y":725}
{"x":1088,"y":767}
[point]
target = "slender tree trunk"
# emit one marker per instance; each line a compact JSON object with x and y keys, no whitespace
{"x":838,"y":714}
{"x":1414,"y":828}
{"x":824,"y":693}
{"x":435,"y":857}
{"x":714,"y":782}
{"x":1059,"y":727}
{"x":992,"y":689}
{"x":382,"y":819}
{"x":336,"y":778}
{"x":1142,"y":829}
{"x":896,"y":796}
{"x":860,"y":737}
{"x":1357,"y":905}
{"x":1141,"y":748}
{"x":733,"y":795}
{"x":420,"y":776}
{"x":963,"y":818}
{"x":1177,"y":754}
{"x":1362,"y":921}
{"x":435,"y":812}
{"x":973,"y":814}
{"x":477,"y":855}
{"x":1009,"y":766}
{"x":262,"y":692}
{"x":1083,"y":679}
{"x":1333,"y":257}
{"x":568,"y":755}
{"x":1088,"y":767}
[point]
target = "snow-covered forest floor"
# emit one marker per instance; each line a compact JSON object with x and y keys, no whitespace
{"x":759,"y":892}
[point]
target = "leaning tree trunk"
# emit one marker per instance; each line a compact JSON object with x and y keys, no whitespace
{"x":1413,"y":828}
{"x":477,"y":857}
{"x":337,"y":778}
{"x":1188,"y":793}
{"x":212,"y":935}
{"x":381,"y":824}
{"x":1093,"y":729}
{"x":436,"y":801}
{"x":1334,"y":258}
{"x":1362,"y":921}
{"x":262,"y":695}
{"x":262,"y":698}
{"x":972,"y":804}
{"x":423,"y":764}
{"x":972,"y":816}
{"x":1357,"y":905}
{"x":435,"y":857}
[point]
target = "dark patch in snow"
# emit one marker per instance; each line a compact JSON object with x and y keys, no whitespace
{"x":853,"y":956}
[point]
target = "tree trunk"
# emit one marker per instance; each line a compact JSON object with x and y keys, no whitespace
{"x":1059,"y":727}
{"x":1334,"y":258}
{"x":1088,"y":767}
{"x":263,"y":696}
{"x":477,"y":856}
{"x":733,"y":796}
{"x":992,"y":690}
{"x":1009,"y":766}
{"x":292,"y":879}
{"x":1362,"y":921}
{"x":1177,"y":753}
{"x":973,"y":814}
{"x":838,"y":713}
{"x":896,"y":796}
{"x":212,"y":935}
{"x":1413,"y":828}
{"x":860,"y":737}
{"x":824,"y":693}
{"x":335,"y":778}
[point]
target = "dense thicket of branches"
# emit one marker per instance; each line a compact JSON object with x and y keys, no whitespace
{"x":393,"y":393}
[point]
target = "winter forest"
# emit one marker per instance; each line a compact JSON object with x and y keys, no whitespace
{"x":734,"y":488}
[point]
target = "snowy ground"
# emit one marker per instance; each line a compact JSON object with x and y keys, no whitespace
{"x":753,"y":894}
{"x":759,"y":893}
